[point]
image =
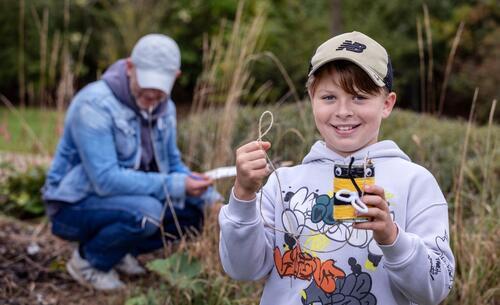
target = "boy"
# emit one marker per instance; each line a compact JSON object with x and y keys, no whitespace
{"x":389,"y":253}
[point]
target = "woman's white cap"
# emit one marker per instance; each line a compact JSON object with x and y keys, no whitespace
{"x":157,"y":59}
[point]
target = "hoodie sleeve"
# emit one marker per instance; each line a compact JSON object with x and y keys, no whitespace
{"x":420,"y":262}
{"x":246,"y":245}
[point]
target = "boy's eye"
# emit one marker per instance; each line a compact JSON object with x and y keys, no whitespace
{"x":359,"y":97}
{"x":328,"y":97}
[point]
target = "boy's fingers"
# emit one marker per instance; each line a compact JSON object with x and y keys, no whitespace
{"x":375,"y":190}
{"x":254,"y":155}
{"x":263,"y":172}
{"x":254,"y":145}
{"x":265,"y":145}
{"x":376,"y":215}
{"x":246,"y":148}
{"x":363,"y":225}
{"x":376,"y":201}
{"x":256,"y":164}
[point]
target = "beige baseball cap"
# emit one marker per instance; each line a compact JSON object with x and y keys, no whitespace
{"x":360,"y":49}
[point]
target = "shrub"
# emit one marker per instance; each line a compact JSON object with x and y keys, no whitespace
{"x":20,"y":192}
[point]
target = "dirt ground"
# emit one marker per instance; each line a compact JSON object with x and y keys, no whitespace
{"x":40,"y":278}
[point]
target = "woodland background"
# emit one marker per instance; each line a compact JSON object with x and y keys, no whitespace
{"x":240,"y":58}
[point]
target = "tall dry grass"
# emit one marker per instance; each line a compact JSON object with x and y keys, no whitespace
{"x":428,"y":101}
{"x":21,"y":75}
{"x":57,"y":67}
{"x":130,"y":21}
{"x":475,"y":223}
{"x":449,"y":65}
{"x":224,"y":80}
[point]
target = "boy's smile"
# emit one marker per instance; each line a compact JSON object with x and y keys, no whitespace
{"x":348,"y":122}
{"x":346,"y":129}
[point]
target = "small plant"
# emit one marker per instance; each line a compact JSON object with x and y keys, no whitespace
{"x":149,"y":298}
{"x":20,"y":192}
{"x":180,"y":271}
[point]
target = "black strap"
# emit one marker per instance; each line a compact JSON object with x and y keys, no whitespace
{"x":352,"y":178}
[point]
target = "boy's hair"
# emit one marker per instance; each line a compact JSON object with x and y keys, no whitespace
{"x":366,"y":59}
{"x":351,"y":78}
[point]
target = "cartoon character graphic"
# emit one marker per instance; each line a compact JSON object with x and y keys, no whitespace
{"x":311,"y":215}
{"x":301,"y":265}
{"x":324,"y":222}
{"x":353,"y":289}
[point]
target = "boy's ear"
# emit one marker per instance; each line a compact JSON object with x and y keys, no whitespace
{"x":311,"y":94}
{"x":389,"y":103}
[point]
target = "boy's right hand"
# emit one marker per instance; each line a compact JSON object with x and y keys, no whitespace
{"x":251,"y":169}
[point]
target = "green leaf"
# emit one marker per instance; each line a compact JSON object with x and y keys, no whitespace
{"x":139,"y":300}
{"x":179,"y":271}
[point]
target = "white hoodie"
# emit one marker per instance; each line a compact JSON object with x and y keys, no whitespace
{"x":332,"y":263}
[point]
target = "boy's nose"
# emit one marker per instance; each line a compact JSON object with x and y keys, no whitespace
{"x":343,"y":110}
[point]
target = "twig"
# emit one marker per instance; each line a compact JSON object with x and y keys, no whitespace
{"x":488,"y":158}
{"x":21,"y":74}
{"x":11,"y":262}
{"x":34,"y":264}
{"x":420,"y":42}
{"x":449,"y":65}
{"x":458,"y":190}
{"x":430,"y":71}
{"x":39,"y":228}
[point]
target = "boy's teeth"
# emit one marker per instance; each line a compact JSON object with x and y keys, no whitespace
{"x":344,"y":128}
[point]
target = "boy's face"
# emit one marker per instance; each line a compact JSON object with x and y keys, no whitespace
{"x":348,"y":122}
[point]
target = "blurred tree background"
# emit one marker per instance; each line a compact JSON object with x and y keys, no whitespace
{"x":50,"y":48}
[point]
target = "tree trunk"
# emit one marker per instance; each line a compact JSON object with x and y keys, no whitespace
{"x":336,"y":17}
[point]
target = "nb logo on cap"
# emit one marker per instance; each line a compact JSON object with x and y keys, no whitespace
{"x":353,"y":47}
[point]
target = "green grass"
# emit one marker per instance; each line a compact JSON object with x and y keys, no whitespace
{"x":15,"y":137}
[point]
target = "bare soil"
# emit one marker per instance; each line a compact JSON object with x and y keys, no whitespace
{"x":41,"y":277}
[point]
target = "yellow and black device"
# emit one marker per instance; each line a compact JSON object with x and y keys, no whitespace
{"x":348,"y":187}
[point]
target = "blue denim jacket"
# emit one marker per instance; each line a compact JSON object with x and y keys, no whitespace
{"x":99,"y":152}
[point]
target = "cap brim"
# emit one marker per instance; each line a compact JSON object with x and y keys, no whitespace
{"x":373,"y":75}
{"x":153,"y":80}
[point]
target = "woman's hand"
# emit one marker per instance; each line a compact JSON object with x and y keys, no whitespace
{"x":197,"y":184}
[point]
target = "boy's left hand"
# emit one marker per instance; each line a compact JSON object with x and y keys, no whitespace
{"x":384,"y":229}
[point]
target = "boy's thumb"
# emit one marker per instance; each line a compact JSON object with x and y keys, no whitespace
{"x":266,"y":145}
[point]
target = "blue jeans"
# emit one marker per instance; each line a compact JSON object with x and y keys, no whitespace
{"x":108,"y":228}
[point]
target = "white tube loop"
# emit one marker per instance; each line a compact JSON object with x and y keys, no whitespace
{"x":352,"y":195}
{"x":353,"y":199}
